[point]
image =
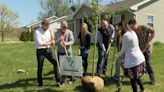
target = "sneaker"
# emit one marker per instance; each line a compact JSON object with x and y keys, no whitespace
{"x":70,"y":82}
{"x":85,"y":74}
{"x":60,"y":84}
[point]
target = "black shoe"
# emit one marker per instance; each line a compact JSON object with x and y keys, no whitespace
{"x":98,"y":75}
{"x":115,"y":78}
{"x":104,"y":73}
{"x":153,"y":81}
{"x":84,"y":74}
{"x":40,"y":84}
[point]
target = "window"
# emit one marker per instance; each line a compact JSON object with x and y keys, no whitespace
{"x":150,"y":20}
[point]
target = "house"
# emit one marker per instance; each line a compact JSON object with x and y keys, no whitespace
{"x":54,"y":23}
{"x":146,"y":12}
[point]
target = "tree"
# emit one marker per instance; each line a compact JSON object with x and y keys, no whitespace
{"x":95,"y":6}
{"x":54,"y":7}
{"x":7,"y":18}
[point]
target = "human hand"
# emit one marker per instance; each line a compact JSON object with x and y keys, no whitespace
{"x":147,"y":47}
{"x":62,"y":38}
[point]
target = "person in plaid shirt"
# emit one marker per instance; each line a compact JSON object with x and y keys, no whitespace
{"x":145,"y":35}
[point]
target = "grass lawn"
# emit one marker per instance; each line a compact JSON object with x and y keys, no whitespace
{"x":9,"y":38}
{"x":22,"y":56}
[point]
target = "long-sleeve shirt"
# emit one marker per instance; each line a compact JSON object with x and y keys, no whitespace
{"x":68,"y":38}
{"x":130,"y":47}
{"x":41,"y":37}
{"x":100,"y":37}
{"x":86,"y":44}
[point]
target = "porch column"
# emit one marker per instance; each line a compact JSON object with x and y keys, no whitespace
{"x":29,"y":29}
{"x":75,"y":30}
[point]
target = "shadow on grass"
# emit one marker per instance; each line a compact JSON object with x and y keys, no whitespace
{"x":80,"y":89}
{"x":44,"y":90}
{"x":49,"y":73}
{"x":25,"y":83}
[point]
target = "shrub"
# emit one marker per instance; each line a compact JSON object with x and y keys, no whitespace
{"x":27,"y":36}
{"x":157,"y":43}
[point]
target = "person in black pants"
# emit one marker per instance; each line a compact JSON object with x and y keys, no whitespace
{"x":85,"y":38}
{"x":145,"y":36}
{"x":43,"y":40}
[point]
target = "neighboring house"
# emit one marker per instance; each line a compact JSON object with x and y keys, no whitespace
{"x":147,"y":12}
{"x":53,"y":21}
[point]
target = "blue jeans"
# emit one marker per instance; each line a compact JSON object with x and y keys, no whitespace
{"x":100,"y":67}
{"x":84,"y":53}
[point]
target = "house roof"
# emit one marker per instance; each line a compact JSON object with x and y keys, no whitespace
{"x":113,"y":7}
{"x":38,"y":22}
{"x":50,"y":19}
{"x":84,"y":5}
{"x":119,"y":6}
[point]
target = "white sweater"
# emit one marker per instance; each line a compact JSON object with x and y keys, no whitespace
{"x":130,"y":46}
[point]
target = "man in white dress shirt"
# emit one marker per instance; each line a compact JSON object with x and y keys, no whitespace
{"x":43,"y":40}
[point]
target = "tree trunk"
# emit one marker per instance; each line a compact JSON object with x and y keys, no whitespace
{"x":2,"y":35}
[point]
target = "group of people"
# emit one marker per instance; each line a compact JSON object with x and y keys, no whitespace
{"x":132,"y":41}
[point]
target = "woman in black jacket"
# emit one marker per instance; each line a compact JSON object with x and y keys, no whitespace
{"x":85,"y":38}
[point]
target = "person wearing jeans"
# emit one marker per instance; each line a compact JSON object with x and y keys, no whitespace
{"x":84,"y":39}
{"x":105,"y":35}
{"x":64,"y":40}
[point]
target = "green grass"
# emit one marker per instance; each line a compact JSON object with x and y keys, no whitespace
{"x":22,"y":56}
{"x":10,"y":38}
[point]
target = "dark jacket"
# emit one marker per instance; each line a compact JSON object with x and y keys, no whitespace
{"x":88,"y":40}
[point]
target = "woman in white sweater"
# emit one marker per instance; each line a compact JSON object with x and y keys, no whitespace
{"x":134,"y":59}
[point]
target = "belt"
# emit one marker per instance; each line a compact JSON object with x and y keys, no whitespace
{"x":42,"y":48}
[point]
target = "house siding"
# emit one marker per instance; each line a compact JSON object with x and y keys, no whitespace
{"x":155,"y":9}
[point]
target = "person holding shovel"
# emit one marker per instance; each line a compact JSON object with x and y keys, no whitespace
{"x":105,"y":35}
{"x":43,"y":40}
{"x":145,"y":35}
{"x":64,"y":39}
{"x":84,"y":38}
{"x":134,"y":60}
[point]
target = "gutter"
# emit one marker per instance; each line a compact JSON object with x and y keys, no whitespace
{"x":135,"y":7}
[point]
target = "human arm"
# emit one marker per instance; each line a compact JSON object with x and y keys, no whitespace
{"x":124,"y":45}
{"x":70,"y":41}
{"x":151,"y":32}
{"x":100,"y":41}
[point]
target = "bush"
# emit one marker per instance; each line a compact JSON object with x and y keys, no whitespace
{"x":157,"y":43}
{"x":27,"y":36}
